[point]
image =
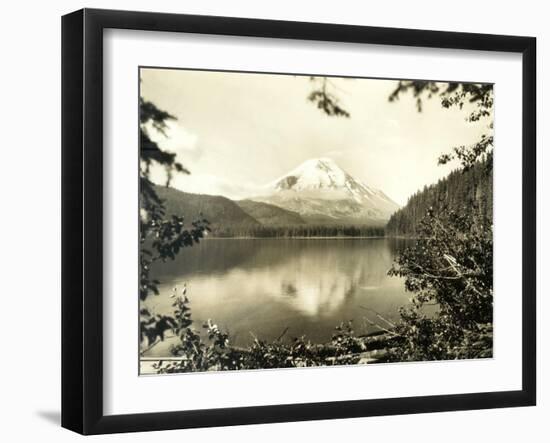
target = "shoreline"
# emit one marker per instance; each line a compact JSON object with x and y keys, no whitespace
{"x":378,"y":345}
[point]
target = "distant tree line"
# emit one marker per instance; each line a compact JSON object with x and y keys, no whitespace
{"x":466,"y":191}
{"x":299,"y":231}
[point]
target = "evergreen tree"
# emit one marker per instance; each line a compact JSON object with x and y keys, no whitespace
{"x":465,"y":191}
{"x":161,"y":236}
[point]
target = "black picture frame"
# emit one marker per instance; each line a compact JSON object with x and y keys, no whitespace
{"x":82,"y":220}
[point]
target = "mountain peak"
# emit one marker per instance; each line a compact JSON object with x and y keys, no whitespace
{"x":319,"y":186}
{"x":321,"y":161}
{"x":315,"y":173}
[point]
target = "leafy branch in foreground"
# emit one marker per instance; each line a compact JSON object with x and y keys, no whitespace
{"x":161,"y":236}
{"x":325,"y":100}
{"x":477,"y":98}
{"x":450,"y":267}
{"x":480,"y":101}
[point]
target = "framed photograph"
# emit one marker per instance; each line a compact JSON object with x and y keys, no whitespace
{"x":268,"y":221}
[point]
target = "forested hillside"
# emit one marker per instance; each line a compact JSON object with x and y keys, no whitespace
{"x":468,"y":192}
{"x":221,"y":212}
{"x":246,"y":218}
{"x":270,"y":215}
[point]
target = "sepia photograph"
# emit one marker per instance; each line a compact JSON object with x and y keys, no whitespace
{"x":302,"y":220}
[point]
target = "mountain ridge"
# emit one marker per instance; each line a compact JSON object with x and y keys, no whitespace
{"x":317,"y":193}
{"x":220,"y":211}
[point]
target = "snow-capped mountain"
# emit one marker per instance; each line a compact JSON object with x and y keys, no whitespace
{"x":321,"y":191}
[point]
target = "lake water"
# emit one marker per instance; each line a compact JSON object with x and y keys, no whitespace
{"x":262,"y":286}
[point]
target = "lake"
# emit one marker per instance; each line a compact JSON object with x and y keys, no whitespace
{"x":263,"y":286}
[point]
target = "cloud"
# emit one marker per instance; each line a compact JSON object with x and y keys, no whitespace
{"x":177,"y":139}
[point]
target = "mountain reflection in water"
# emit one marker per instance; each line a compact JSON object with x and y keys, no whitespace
{"x":262,"y":286}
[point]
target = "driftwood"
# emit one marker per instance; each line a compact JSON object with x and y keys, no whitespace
{"x":375,"y":348}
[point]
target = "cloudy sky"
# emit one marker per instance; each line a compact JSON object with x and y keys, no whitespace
{"x":238,"y":131}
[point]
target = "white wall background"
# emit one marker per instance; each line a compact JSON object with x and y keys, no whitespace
{"x":30,"y":218}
